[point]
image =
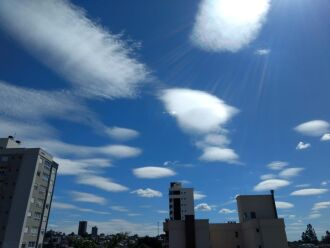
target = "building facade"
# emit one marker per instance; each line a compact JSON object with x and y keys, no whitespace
{"x":258,"y":227}
{"x":181,"y":201}
{"x":82,"y":228}
{"x":27,"y":179}
{"x":94,"y":231}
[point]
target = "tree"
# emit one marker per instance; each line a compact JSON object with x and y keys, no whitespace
{"x":309,"y":236}
{"x":326,"y":238}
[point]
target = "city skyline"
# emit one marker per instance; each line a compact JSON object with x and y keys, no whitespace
{"x":129,"y":97}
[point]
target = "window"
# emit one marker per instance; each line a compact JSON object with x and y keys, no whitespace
{"x":175,"y":192}
{"x":38,"y":173}
{"x":31,"y":244}
{"x":29,"y":214}
{"x":23,"y":245}
{"x":35,"y":186}
{"x":32,"y":200}
{"x":236,"y":234}
{"x":45,"y":176}
{"x":26,"y":229}
{"x":39,"y":203}
{"x":253,"y":215}
{"x":257,"y":230}
{"x":34,"y":230}
{"x":42,"y":189}
{"x":37,"y":215}
{"x":245,"y":216}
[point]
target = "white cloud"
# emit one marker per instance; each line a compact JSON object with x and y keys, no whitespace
{"x":325,"y":137}
{"x":283,"y":205}
{"x":151,"y":172}
{"x":321,"y":205}
{"x":66,"y":206}
{"x":277,"y":165}
{"x":267,"y":176}
{"x":314,"y":216}
{"x":101,"y":183}
{"x":290,"y":172}
{"x":301,"y":145}
{"x":197,"y":111}
{"x":203,"y":207}
{"x":218,"y":154}
{"x":262,"y":52}
{"x":60,"y":148}
{"x":120,"y":133}
{"x":325,"y":183}
{"x":97,"y":62}
{"x":204,"y":116}
{"x":228,"y":25}
{"x":80,"y":166}
{"x":148,"y":193}
{"x":198,"y":195}
{"x":271,"y":184}
{"x":313,"y":128}
{"x":227,"y":211}
{"x":119,"y":208}
{"x":311,"y":191}
{"x":213,"y":140}
{"x":87,"y":197}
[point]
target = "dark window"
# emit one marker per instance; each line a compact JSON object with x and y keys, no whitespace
{"x":238,"y":246}
{"x":245,"y":216}
{"x":38,"y":173}
{"x":257,"y":229}
{"x":236,"y":234}
{"x":177,"y":209}
{"x":253,"y":215}
{"x":175,"y":192}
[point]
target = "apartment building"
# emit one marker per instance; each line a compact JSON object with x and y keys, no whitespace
{"x":27,"y":179}
{"x":258,"y":227}
{"x":181,"y":201}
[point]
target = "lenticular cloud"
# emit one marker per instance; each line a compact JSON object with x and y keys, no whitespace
{"x":96,"y":62}
{"x":228,"y":25}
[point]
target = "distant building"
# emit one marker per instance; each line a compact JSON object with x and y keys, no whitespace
{"x":94,"y":231}
{"x":181,"y":201}
{"x":27,"y":179}
{"x":258,"y":227}
{"x":82,"y":229}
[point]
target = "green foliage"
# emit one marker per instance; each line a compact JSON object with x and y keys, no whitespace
{"x":84,"y":243}
{"x":309,"y":236}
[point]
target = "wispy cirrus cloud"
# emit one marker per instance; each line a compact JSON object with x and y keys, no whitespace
{"x":291,"y":172}
{"x":277,"y":165}
{"x":101,"y":183}
{"x":321,"y":205}
{"x":203,"y":115}
{"x":310,"y":191}
{"x":228,"y":25}
{"x":262,"y":52}
{"x":152,"y":172}
{"x":60,"y":148}
{"x":267,"y":176}
{"x":147,"y":193}
{"x":313,"y":128}
{"x":81,"y":166}
{"x":119,"y":208}
{"x":122,"y":134}
{"x":302,"y":146}
{"x":283,"y":205}
{"x":227,"y":211}
{"x":87,"y":197}
{"x":271,"y":184}
{"x":97,"y":62}
{"x":67,"y":206}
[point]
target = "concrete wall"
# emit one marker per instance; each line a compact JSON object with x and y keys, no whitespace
{"x":262,"y":205}
{"x":226,"y":235}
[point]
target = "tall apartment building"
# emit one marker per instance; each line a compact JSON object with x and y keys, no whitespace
{"x":27,"y":179}
{"x":82,"y":228}
{"x":258,"y":227}
{"x":181,"y":201}
{"x":94,"y":231}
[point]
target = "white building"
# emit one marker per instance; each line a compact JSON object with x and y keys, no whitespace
{"x":181,"y":201}
{"x":27,"y":178}
{"x":258,"y":227}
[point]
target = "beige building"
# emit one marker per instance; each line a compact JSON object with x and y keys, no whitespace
{"x":27,"y":178}
{"x":258,"y":227}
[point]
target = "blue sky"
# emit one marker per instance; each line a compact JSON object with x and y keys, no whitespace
{"x":228,"y":97}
